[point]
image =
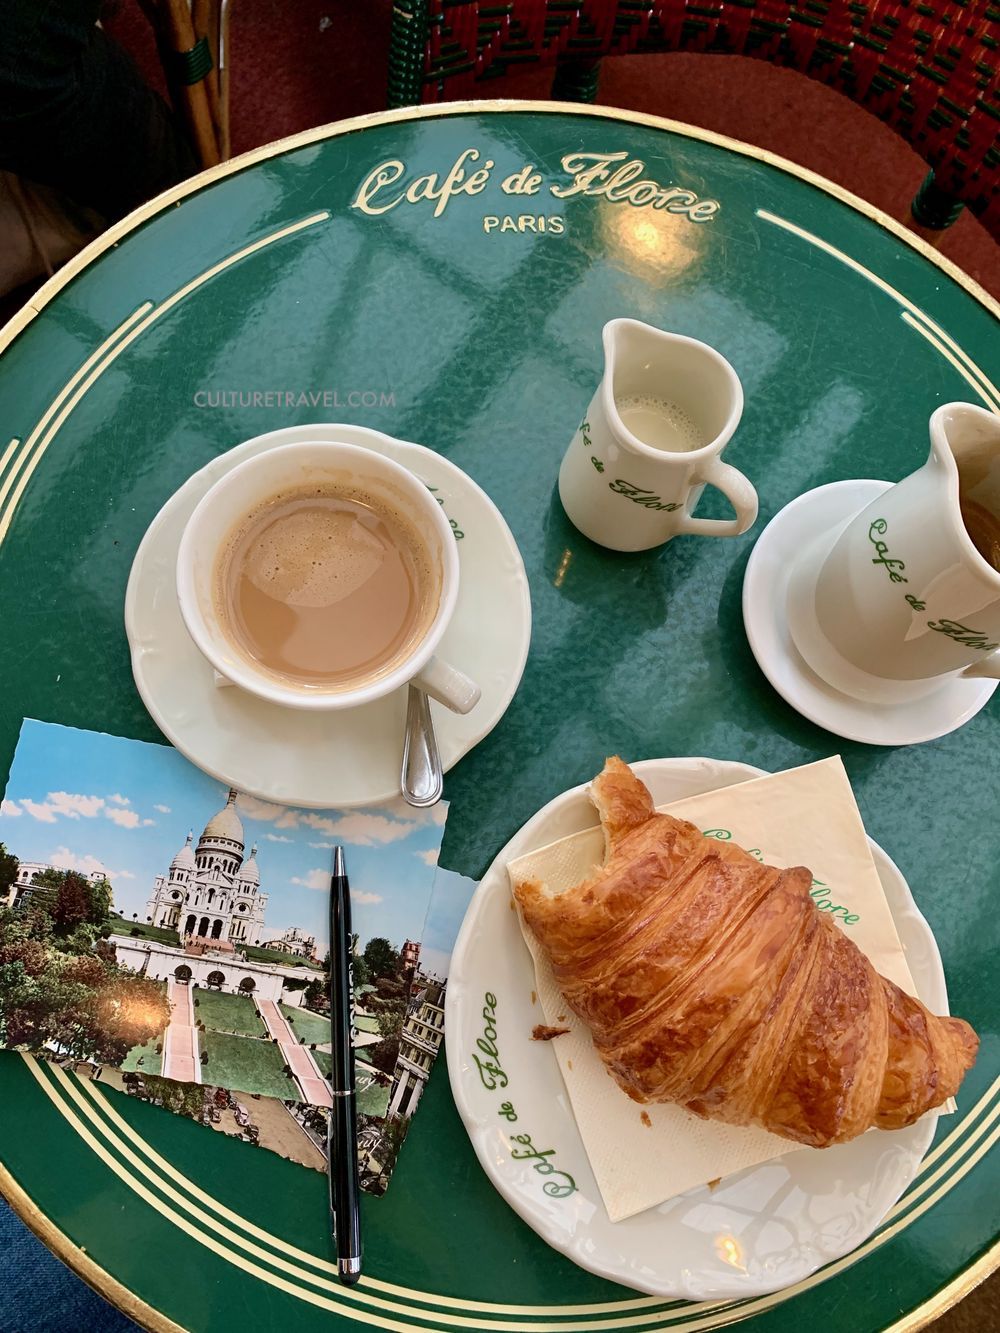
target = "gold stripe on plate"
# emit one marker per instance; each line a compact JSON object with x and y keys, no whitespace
{"x":985,"y":1100}
{"x":94,"y":358}
{"x":943,"y":1169}
{"x":8,"y":453}
{"x":114,"y":346}
{"x":979,"y":380}
{"x":18,"y":464}
{"x":939,"y":346}
{"x":691,"y":1317}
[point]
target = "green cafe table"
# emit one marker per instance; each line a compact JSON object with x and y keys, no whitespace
{"x":443,"y":275}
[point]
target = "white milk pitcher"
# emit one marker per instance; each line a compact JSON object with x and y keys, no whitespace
{"x":651,"y":442}
{"x":908,"y":592}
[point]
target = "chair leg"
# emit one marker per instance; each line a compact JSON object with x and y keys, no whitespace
{"x":933,"y":207}
{"x":576,"y":81}
{"x":186,"y":61}
{"x":222,"y":60}
{"x":204,"y":15}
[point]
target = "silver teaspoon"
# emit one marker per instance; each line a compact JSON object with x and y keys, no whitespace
{"x":422,"y":780}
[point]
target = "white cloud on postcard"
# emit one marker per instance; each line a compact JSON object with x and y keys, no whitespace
{"x":315,"y":879}
{"x":123,"y":818}
{"x":364,"y":830}
{"x":73,"y":805}
{"x":44,"y":812}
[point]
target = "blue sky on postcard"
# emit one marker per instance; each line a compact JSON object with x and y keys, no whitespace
{"x":88,"y":801}
{"x":449,"y":903}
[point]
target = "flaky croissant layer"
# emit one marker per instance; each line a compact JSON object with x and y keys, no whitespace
{"x":713,"y":981}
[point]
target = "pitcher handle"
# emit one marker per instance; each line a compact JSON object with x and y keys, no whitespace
{"x":738,"y":491}
{"x":988,"y":667}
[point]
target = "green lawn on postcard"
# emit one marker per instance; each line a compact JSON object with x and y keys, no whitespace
{"x":245,"y":1065}
{"x":228,"y":1013}
{"x":140,"y":930}
{"x":152,"y":1061}
{"x":256,"y":954}
{"x":307,"y":1026}
{"x":373,"y":1100}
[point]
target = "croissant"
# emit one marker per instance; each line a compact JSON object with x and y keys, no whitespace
{"x":713,"y":981}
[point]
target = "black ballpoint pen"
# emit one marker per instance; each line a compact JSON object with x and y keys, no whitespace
{"x":342,"y":1145}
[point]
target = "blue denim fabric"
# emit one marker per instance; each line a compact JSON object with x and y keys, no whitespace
{"x":38,"y":1294}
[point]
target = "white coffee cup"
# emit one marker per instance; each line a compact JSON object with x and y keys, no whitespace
{"x":630,"y":488}
{"x":252,"y":483}
{"x":900,"y":599}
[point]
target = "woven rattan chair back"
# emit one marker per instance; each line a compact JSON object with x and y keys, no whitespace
{"x":928,"y":68}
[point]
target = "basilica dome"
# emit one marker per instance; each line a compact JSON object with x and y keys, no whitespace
{"x":250,"y":874}
{"x":226,"y":824}
{"x":184,"y":860}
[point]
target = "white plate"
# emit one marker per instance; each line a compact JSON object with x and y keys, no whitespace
{"x":765,"y":588}
{"x":340,"y":758}
{"x":760,"y":1229}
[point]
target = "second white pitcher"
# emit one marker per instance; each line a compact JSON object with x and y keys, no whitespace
{"x":651,"y":442}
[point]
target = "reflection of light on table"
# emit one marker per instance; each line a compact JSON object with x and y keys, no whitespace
{"x":567,"y":556}
{"x":651,"y":244}
{"x":730,"y":1252}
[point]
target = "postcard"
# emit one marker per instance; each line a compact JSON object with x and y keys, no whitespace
{"x":164,"y":928}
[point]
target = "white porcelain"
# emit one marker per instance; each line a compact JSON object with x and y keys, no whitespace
{"x":331,"y":758}
{"x":758,"y":1230}
{"x":255,"y":481}
{"x":829,"y":509}
{"x":901,"y":598}
{"x":619,"y":489}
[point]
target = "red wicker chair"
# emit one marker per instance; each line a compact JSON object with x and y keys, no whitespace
{"x":928,"y":68}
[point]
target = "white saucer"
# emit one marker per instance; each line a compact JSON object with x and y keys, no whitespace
{"x":788,"y":1217}
{"x":764,"y":590}
{"x":339,"y":758}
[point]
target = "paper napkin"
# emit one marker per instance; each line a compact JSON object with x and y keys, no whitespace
{"x":644,"y":1155}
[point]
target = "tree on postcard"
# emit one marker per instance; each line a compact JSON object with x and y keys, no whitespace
{"x":381,"y":957}
{"x":76,"y":1004}
{"x":72,"y":902}
{"x":49,"y":881}
{"x":9,"y":865}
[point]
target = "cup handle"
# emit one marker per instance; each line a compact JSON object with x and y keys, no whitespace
{"x":448,"y":686}
{"x":988,"y":667}
{"x":737,"y":490}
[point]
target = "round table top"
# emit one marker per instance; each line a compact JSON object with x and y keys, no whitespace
{"x":355,"y":274}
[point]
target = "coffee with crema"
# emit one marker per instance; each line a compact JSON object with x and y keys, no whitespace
{"x":325,"y":588}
